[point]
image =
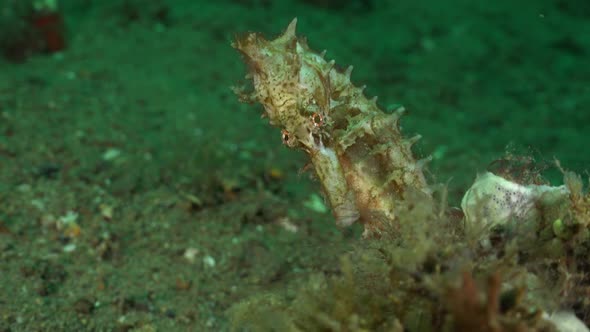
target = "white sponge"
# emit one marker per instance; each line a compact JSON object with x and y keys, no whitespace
{"x":494,"y":200}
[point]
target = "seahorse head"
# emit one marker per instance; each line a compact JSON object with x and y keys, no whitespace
{"x":292,"y":83}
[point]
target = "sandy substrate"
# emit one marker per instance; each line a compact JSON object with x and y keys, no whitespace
{"x":136,"y":192}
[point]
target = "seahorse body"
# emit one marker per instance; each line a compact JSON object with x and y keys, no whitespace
{"x":359,"y":155}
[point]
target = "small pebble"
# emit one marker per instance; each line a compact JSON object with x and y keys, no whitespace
{"x":315,"y":203}
{"x":209,"y":261}
{"x":111,"y":154}
{"x":70,"y":247}
{"x":190,"y":254}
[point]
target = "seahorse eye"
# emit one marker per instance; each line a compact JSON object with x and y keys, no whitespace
{"x":317,"y":119}
{"x":285,"y":136}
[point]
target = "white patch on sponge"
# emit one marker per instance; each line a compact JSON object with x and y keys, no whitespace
{"x":494,"y":200}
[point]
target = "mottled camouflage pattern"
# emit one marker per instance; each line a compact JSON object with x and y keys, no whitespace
{"x":363,"y":162}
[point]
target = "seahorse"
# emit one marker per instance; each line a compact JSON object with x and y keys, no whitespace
{"x":365,"y":165}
